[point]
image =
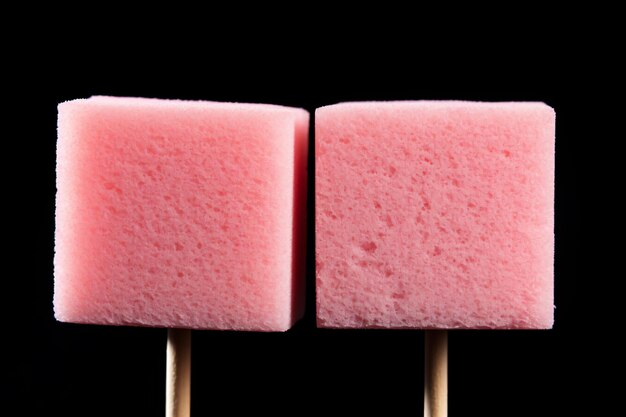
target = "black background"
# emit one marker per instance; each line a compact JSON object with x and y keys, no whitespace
{"x":77,"y":370}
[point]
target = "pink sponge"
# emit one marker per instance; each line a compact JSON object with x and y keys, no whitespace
{"x":435,"y":215}
{"x":180,"y":214}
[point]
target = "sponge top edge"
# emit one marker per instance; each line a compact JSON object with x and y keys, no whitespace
{"x":435,"y":105}
{"x":158,"y":103}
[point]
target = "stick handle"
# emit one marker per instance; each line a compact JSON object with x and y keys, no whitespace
{"x":436,"y":374}
{"x":178,"y":373}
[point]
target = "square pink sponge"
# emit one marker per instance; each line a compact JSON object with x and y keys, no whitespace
{"x":180,"y":214}
{"x":435,"y":215}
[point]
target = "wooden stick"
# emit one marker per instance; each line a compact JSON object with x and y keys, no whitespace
{"x":178,"y":373}
{"x":436,"y":374}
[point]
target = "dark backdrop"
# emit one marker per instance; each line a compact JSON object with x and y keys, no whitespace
{"x":78,"y":370}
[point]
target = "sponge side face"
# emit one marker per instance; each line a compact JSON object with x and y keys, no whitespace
{"x":179,"y":214}
{"x":435,"y":215}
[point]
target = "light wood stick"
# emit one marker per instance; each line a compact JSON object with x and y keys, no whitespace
{"x":436,"y":374}
{"x":178,"y":373}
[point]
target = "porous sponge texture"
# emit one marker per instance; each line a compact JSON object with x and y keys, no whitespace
{"x":434,"y":215}
{"x":180,"y":214}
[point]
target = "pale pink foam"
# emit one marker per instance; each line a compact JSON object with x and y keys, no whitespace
{"x":180,"y":214}
{"x":435,"y":215}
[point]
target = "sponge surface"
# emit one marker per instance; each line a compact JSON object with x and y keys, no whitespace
{"x":180,"y":214}
{"x":435,"y":215}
